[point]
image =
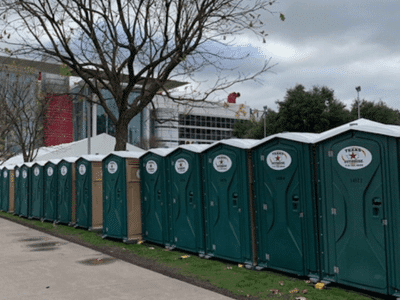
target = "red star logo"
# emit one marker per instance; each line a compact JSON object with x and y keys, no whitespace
{"x":278,"y":158}
{"x":352,"y":156}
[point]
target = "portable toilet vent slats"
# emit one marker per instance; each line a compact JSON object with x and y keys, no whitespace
{"x":186,"y":198}
{"x":66,"y":199}
{"x":287,"y":236}
{"x":24,"y":188}
{"x":121,"y":196}
{"x":227,"y":201}
{"x":154,"y":193}
{"x":37,"y":190}
{"x":50,"y":190}
{"x":89,"y":192}
{"x":358,"y":199}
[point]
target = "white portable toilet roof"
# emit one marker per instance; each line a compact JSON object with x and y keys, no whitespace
{"x":127,"y":154}
{"x":162,"y":151}
{"x":102,"y":144}
{"x":92,"y":157}
{"x":54,"y":161}
{"x":197,"y":148}
{"x":28,"y":164}
{"x":303,"y":137}
{"x":70,"y":159}
{"x":40,"y":162}
{"x":238,"y":143}
{"x":361,"y":125}
{"x":10,"y":167}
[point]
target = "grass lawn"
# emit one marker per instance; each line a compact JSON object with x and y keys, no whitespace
{"x":229,"y":276}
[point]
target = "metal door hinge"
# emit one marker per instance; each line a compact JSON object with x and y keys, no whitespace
{"x":266,"y":256}
{"x":384,"y":222}
{"x":330,"y":153}
{"x":333,"y":211}
{"x":262,"y":157}
{"x":265,"y":207}
{"x":336,"y":270}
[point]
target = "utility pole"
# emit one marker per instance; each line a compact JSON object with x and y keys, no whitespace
{"x":358,"y":89}
{"x":265,"y":120}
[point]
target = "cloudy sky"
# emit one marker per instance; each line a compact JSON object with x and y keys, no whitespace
{"x":339,"y":44}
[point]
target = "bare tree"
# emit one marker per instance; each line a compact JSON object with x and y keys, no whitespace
{"x":22,"y":110}
{"x":122,"y":44}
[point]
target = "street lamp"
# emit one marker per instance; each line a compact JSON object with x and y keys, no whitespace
{"x":358,"y":89}
{"x":265,"y":120}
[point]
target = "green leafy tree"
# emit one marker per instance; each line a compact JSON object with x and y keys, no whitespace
{"x":315,"y":110}
{"x":378,"y":112}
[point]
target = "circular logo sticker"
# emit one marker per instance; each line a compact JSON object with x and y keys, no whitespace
{"x":151,"y":167}
{"x":36,"y":171}
{"x":50,"y":171}
{"x":82,"y":169}
{"x":17,"y":173}
{"x":64,"y":170}
{"x":112,"y":167}
{"x":354,"y":157}
{"x":279,"y":160}
{"x":138,"y":173}
{"x":222,"y":163}
{"x":24,"y":174}
{"x":5,"y":174}
{"x":181,"y":166}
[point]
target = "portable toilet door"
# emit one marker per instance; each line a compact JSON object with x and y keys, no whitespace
{"x":284,"y":200}
{"x":11,"y":194}
{"x":89,"y":192}
{"x":66,"y":200}
{"x":356,"y":171}
{"x":121,"y":196}
{"x":37,"y":190}
{"x":227,"y":201}
{"x":186,"y":198}
{"x":5,"y":189}
{"x":17,"y":191}
{"x":24,"y":189}
{"x":50,"y":190}
{"x":154,"y":193}
{"x":1,"y":188}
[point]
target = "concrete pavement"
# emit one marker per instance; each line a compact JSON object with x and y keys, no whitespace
{"x":38,"y":266}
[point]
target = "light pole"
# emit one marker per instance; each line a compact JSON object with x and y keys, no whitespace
{"x":358,"y":89}
{"x":265,"y":120}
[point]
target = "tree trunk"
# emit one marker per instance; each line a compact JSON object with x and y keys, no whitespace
{"x":121,"y":135}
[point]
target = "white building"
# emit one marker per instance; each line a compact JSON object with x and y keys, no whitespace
{"x":173,"y":123}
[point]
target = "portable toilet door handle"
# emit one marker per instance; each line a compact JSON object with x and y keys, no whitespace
{"x":159,"y":195}
{"x":376,"y":205}
{"x":295,"y":202}
{"x":235,"y":197}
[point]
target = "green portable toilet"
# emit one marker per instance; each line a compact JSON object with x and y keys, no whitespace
{"x":89,"y":192}
{"x":358,"y":197}
{"x":17,"y":189}
{"x":24,"y":200}
{"x":229,"y":218}
{"x":37,"y":190}
{"x":154,"y":192}
{"x":8,"y":189}
{"x":121,"y":196}
{"x":186,"y":198}
{"x":66,"y":200}
{"x":5,"y":189}
{"x":1,"y":187}
{"x":50,"y":190}
{"x":285,"y":207}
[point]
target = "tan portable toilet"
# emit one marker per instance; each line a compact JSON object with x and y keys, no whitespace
{"x":89,"y":192}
